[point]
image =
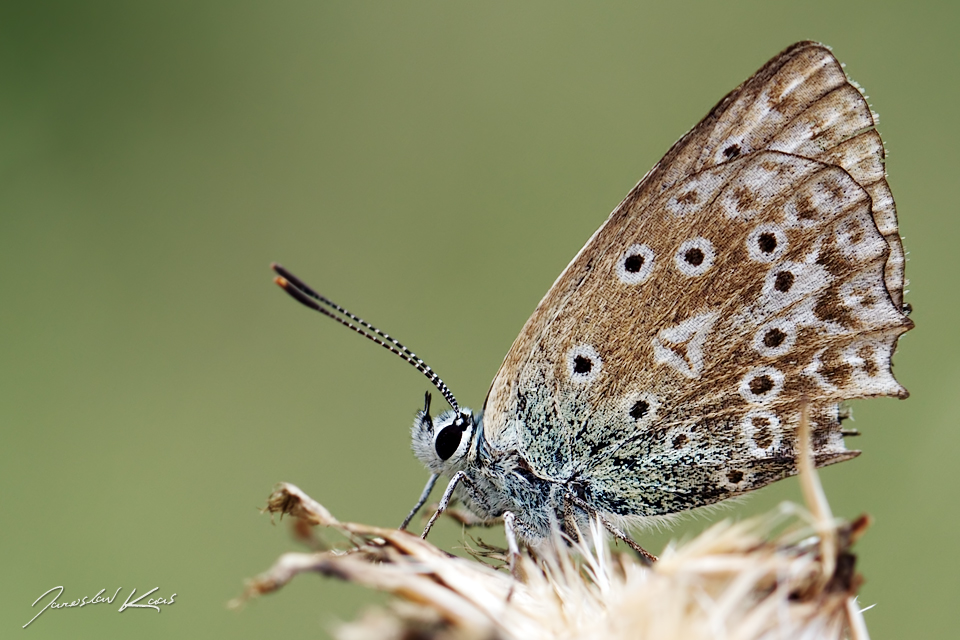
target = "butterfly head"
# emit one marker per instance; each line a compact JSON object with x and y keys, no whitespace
{"x":443,"y":443}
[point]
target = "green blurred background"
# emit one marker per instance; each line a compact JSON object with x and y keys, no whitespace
{"x":433,"y":166}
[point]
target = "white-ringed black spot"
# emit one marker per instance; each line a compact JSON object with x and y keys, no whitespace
{"x":767,"y":242}
{"x":694,"y":257}
{"x":761,"y":384}
{"x":635,"y":265}
{"x":583,"y":363}
{"x":775,"y":338}
{"x":641,"y":408}
{"x":732,"y":151}
{"x":788,"y":281}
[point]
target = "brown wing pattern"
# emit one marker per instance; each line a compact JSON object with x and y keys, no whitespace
{"x":758,"y":263}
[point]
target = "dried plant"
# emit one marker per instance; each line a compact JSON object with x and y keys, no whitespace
{"x":787,"y":575}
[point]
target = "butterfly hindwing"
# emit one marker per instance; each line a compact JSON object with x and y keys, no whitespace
{"x":757,"y":264}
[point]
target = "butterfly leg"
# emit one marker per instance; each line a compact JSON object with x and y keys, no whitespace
{"x":645,"y":556}
{"x":458,"y":477}
{"x":513,"y":548}
{"x":423,"y":498}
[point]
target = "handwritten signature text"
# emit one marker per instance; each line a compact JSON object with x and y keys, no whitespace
{"x":129,"y":603}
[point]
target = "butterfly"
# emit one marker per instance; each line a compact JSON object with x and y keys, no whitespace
{"x":757,"y":269}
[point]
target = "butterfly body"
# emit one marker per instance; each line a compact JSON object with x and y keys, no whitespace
{"x":495,"y":479}
{"x":757,"y":265}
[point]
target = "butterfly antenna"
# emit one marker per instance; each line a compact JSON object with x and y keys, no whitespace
{"x":302,"y":293}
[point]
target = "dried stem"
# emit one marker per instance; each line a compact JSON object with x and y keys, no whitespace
{"x":738,"y":581}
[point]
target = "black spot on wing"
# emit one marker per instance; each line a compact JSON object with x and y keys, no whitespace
{"x":732,"y":151}
{"x":633,"y":264}
{"x":783,"y":281}
{"x":582,"y":364}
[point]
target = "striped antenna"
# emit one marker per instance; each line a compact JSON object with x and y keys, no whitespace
{"x":302,"y":293}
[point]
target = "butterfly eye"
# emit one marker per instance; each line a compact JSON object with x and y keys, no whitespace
{"x":448,"y":441}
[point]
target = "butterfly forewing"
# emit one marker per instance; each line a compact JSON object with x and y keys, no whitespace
{"x":757,"y":264}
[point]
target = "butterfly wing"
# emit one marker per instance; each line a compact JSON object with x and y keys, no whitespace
{"x":757,"y":263}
